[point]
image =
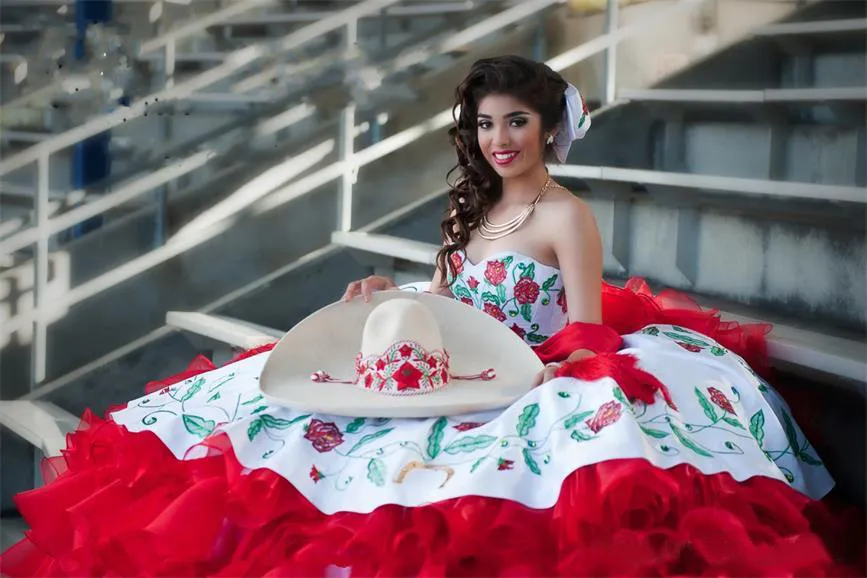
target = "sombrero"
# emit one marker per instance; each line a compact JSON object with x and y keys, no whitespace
{"x":400,"y":355}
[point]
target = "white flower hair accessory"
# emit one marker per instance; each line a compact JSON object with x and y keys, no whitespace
{"x":574,"y":125}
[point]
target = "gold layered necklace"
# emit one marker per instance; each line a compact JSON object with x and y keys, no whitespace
{"x":492,"y":232}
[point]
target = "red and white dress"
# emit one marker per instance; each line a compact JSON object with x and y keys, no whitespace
{"x":580,"y":477}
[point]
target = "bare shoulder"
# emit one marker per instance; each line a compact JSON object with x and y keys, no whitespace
{"x":562,"y":208}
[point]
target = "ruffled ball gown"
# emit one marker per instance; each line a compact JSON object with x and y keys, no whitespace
{"x":580,"y":477}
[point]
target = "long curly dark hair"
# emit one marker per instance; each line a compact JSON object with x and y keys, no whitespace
{"x":477,"y":186}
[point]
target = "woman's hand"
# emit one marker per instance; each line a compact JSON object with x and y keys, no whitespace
{"x":367,"y":286}
{"x":546,"y":374}
{"x":550,"y":370}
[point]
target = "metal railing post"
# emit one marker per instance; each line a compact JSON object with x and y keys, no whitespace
{"x":612,"y":23}
{"x":39,"y":344}
{"x":166,"y":132}
{"x":347,"y":142}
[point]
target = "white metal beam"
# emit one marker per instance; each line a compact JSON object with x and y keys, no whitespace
{"x":712,"y":183}
{"x":234,"y":61}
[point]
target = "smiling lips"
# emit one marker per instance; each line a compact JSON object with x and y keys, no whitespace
{"x":503,"y":158}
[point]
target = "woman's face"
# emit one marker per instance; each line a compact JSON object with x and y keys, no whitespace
{"x":510,"y":135}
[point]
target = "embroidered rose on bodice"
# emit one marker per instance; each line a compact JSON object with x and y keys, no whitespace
{"x":524,"y":294}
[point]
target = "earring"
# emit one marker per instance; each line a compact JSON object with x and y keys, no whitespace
{"x":550,"y":139}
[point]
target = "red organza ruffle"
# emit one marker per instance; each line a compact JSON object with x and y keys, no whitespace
{"x":126,"y":507}
{"x":119,"y":504}
{"x":628,"y":309}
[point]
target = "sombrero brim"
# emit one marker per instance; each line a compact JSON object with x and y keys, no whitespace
{"x":329,"y":339}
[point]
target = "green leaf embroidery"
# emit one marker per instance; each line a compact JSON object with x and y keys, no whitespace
{"x":527,"y":419}
{"x":507,"y":261}
{"x":490,"y":298}
{"x":718,"y":351}
{"x":254,"y":428}
{"x":580,"y":436}
{"x":757,"y":426}
{"x":477,"y":463}
{"x":461,"y":291}
{"x":214,"y":397}
{"x":369,"y":438}
{"x":618,"y":393}
{"x":705,"y":404}
{"x":808,"y":458}
{"x":564,"y":394}
{"x":527,"y":312}
{"x":198,"y":426}
{"x":650,"y":331}
{"x":469,"y":444}
{"x":435,"y":438}
{"x":355,"y":425}
{"x":254,"y":400}
{"x":654,"y":433}
{"x":501,"y":294}
{"x":549,"y":282}
{"x":576,"y":419}
{"x":734,"y":422}
{"x":688,"y":442}
{"x":192,"y":390}
{"x":686,"y":339}
{"x":376,"y":471}
{"x":260,"y":409}
{"x":535,"y":338}
{"x":531,"y":463}
{"x":791,"y":434}
{"x":529,"y":272}
{"x":271,"y":422}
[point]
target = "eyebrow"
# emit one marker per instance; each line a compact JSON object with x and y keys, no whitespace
{"x":510,"y":115}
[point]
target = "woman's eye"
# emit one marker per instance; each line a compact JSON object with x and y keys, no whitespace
{"x":519,"y":121}
{"x":484,"y":124}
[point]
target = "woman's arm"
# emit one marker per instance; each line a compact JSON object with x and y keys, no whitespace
{"x":437,"y":286}
{"x":578,"y":248}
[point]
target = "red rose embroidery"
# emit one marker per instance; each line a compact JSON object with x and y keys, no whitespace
{"x":607,"y":414}
{"x":503,"y":465}
{"x":467,"y":301}
{"x":407,"y":377}
{"x":689,"y":347}
{"x":473,"y":283}
{"x":526,"y":291}
{"x":315,"y":475}
{"x":458,"y":263}
{"x":720,"y":400}
{"x":468,"y":425}
{"x":324,"y":436}
{"x":561,"y":300}
{"x":495,"y":312}
{"x":518,"y":330}
{"x":495,"y":272}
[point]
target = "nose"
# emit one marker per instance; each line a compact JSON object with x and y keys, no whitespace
{"x":501,"y":136}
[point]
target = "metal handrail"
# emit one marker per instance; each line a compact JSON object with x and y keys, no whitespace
{"x":234,"y":61}
{"x":344,"y":169}
{"x":168,"y":41}
{"x":27,"y":237}
{"x":194,"y":27}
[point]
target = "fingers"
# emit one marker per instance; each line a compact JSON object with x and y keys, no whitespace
{"x":539,"y":379}
{"x":367,"y":288}
{"x":549,"y":372}
{"x":352,"y":290}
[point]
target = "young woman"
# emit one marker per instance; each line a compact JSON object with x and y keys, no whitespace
{"x":689,"y":464}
